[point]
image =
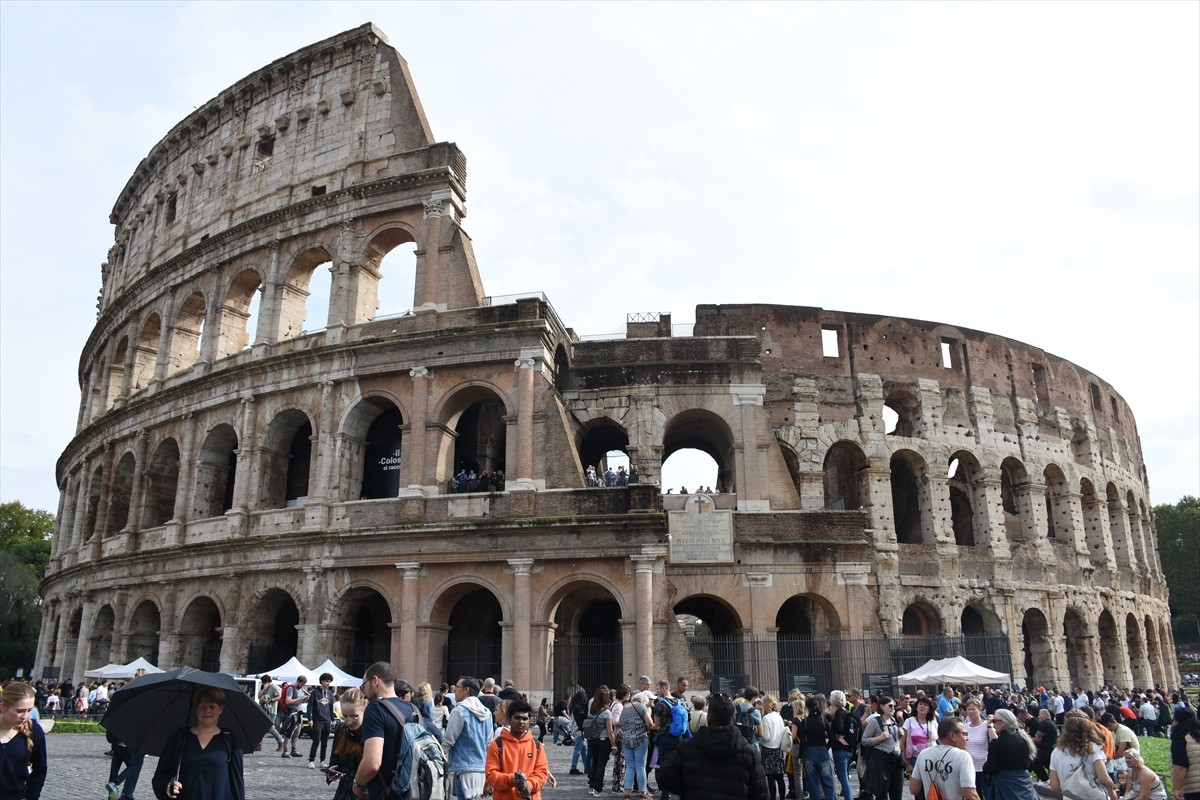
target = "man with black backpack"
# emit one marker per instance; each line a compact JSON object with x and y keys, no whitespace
{"x":386,"y":750}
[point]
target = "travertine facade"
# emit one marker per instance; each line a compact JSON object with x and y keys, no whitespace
{"x":238,"y":493}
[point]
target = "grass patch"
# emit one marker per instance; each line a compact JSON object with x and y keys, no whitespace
{"x":76,"y":726}
{"x":1156,"y":753}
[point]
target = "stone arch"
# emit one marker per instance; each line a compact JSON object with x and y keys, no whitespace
{"x":708,"y":432}
{"x":199,"y":634}
{"x":216,"y":473}
{"x":968,"y":501}
{"x":1094,"y":523}
{"x":271,"y":629}
{"x":1111,"y":648}
{"x":145,"y":357}
{"x":380,"y":242}
{"x":285,"y":460}
{"x":714,"y":630}
{"x":116,"y":374}
{"x":844,"y":476}
{"x":187,"y":331}
{"x":363,"y":618}
{"x":294,"y":292}
{"x":473,"y":418}
{"x":473,"y":616}
{"x":807,"y":624}
{"x":906,"y":406}
{"x":234,"y":313}
{"x":921,"y":618}
{"x":597,"y":438}
{"x":145,"y":626}
{"x":1037,"y":647}
{"x":100,"y":651}
{"x":1059,"y":524}
{"x":563,"y":379}
{"x":1015,"y":500}
{"x":371,"y":442}
{"x":910,"y":501}
{"x":161,"y":484}
{"x":119,"y":494}
{"x":978,"y":618}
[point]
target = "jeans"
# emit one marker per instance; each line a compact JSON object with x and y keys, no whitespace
{"x":635,"y":766}
{"x":841,"y":765}
{"x":818,"y":773}
{"x":581,"y":751}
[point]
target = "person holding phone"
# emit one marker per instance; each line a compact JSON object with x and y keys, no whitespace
{"x":347,"y":745}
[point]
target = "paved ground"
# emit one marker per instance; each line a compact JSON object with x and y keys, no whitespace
{"x":79,"y":768}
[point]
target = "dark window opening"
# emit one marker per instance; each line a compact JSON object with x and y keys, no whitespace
{"x":1096,"y":402}
{"x":1041,"y":391}
{"x":172,"y":206}
{"x":317,"y":191}
{"x":1115,"y":413}
{"x":262,"y":155}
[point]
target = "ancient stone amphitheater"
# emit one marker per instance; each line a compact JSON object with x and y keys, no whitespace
{"x":248,"y":484}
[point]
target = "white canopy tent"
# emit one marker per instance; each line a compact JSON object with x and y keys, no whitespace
{"x":951,"y":670}
{"x":290,"y":670}
{"x":340,"y":676}
{"x":117,"y":672}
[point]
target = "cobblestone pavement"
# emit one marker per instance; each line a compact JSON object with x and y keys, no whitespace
{"x":79,"y":768}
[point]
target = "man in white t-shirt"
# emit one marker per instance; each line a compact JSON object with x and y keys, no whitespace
{"x":946,"y":764}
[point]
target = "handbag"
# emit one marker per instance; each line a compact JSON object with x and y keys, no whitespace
{"x":1081,"y":784}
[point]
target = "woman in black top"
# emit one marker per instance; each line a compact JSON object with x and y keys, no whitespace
{"x":1010,"y":755}
{"x":818,"y":768}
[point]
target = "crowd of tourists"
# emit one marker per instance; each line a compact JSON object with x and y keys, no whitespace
{"x":476,"y":738}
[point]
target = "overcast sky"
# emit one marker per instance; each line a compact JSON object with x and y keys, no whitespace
{"x":1028,"y":169}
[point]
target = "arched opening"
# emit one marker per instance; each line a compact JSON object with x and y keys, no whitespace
{"x":697,"y":429}
{"x":806,"y":624}
{"x":690,"y":470}
{"x":562,"y":369}
{"x":1037,"y":647}
{"x":587,"y":642}
{"x":598,"y":439}
{"x":714,"y":634}
{"x":216,"y":472}
{"x":145,"y":358}
{"x":1058,"y":506}
{"x":478,"y":445}
{"x":964,"y":473}
{"x":1111,"y":648}
{"x":382,"y":455}
{"x":304,"y":301}
{"x":116,"y":373}
{"x":908,"y":472}
{"x":1093,"y":523}
{"x":273,"y":631}
{"x":386,"y":283}
{"x":984,"y":641}
{"x":920,"y":620}
{"x":844,"y":477}
{"x":102,"y":637}
{"x":1014,"y":497}
{"x":119,"y":495}
{"x":286,"y":460}
{"x":474,"y":642}
{"x":161,"y":485}
{"x":901,"y":414}
{"x":144,"y":629}
{"x":366,"y":634}
{"x":972,"y":622}
{"x":237,"y":312}
{"x":186,"y":333}
{"x":199,"y":635}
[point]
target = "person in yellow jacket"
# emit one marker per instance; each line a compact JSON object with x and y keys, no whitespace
{"x":516,"y":762}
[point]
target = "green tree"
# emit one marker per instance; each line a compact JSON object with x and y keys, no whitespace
{"x":24,"y":553}
{"x":1179,"y":546}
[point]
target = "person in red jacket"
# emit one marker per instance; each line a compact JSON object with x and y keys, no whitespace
{"x":516,"y":762}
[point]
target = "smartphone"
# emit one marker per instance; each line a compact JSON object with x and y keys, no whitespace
{"x":335,"y":773}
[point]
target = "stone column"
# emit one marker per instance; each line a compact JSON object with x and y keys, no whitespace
{"x":526,"y":366}
{"x":267,"y":330}
{"x":230,"y":641}
{"x":750,"y":469}
{"x":644,"y":566}
{"x":245,"y":483}
{"x":83,"y":651}
{"x":414,"y":450}
{"x":44,"y":637}
{"x":120,"y":633}
{"x":131,"y":351}
{"x":138,"y":491}
{"x":106,"y":477}
{"x":162,"y":359}
{"x":427,"y":285}
{"x":409,"y":601}
{"x":522,"y":570}
{"x":168,"y":635}
{"x":989,"y":515}
{"x":325,"y":456}
{"x":185,"y":489}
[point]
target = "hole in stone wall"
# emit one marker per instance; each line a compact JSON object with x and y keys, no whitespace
{"x":829,"y":343}
{"x":1096,"y":402}
{"x":263,"y":154}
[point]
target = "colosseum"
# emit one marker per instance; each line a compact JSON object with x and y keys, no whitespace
{"x":247,"y":484}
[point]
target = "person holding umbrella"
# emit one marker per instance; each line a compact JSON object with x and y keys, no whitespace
{"x":22,"y":745}
{"x":202,"y":762}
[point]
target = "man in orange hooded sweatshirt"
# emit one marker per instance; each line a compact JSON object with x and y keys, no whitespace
{"x":516,"y":762}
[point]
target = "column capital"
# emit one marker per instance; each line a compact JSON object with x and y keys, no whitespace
{"x":521,"y":566}
{"x":409,"y":569}
{"x":644,"y":563}
{"x":420,"y":372}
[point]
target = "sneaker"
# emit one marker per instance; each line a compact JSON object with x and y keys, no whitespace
{"x":312,"y":765}
{"x":284,"y":755}
{"x":324,"y":764}
{"x":114,"y":791}
{"x":574,"y":772}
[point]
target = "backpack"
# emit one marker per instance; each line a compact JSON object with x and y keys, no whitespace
{"x":679,"y":719}
{"x":591,"y":727}
{"x":744,"y":720}
{"x":420,"y":772}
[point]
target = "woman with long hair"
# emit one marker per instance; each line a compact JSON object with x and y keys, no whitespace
{"x":204,"y":761}
{"x":918,"y":732}
{"x":1141,"y":782}
{"x":771,"y":747}
{"x":22,"y":744}
{"x":347,"y":745}
{"x":620,"y":698}
{"x":818,"y":766}
{"x":600,"y":746}
{"x":1080,"y":747}
{"x":1010,"y":754}
{"x":885,"y":764}
{"x":794,"y":766}
{"x":1185,"y":754}
{"x":841,"y":740}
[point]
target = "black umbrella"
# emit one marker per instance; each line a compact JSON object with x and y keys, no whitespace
{"x":142,"y":714}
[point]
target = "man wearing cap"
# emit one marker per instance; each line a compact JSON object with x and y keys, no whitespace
{"x":268,"y":699}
